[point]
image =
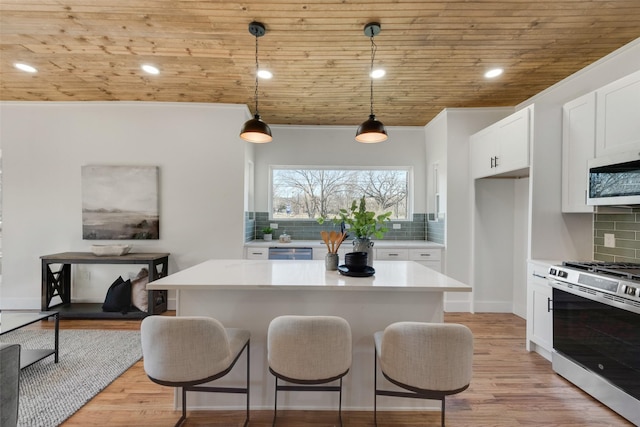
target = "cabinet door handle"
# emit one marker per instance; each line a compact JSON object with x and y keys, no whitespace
{"x":537,"y":275}
{"x":425,"y":254}
{"x":495,"y":162}
{"x":549,"y":308}
{"x":492,"y":160}
{"x":393,"y":254}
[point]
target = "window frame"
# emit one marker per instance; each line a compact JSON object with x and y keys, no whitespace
{"x":410,"y":186}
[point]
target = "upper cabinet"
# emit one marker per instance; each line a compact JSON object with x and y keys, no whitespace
{"x":503,"y":147}
{"x":578,"y":147}
{"x":618,"y":116}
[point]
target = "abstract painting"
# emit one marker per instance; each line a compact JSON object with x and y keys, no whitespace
{"x":120,"y":202}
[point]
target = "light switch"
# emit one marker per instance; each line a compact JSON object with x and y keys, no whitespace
{"x":397,"y":226}
{"x":274,"y":226}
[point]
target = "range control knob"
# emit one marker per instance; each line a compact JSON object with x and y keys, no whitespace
{"x":553,"y":271}
{"x":562,"y":274}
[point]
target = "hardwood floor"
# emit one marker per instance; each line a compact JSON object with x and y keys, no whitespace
{"x":510,"y":388}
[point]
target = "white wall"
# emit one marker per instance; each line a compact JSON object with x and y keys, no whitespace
{"x":44,"y":144}
{"x":336,"y":145}
{"x":447,"y":143}
{"x":555,"y":235}
{"x":521,"y":193}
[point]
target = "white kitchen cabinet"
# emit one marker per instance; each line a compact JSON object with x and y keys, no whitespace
{"x":392,"y":254}
{"x":578,"y":147}
{"x":502,"y":147}
{"x":539,"y":315}
{"x":256,"y":253}
{"x":618,"y":116}
{"x":431,"y":258}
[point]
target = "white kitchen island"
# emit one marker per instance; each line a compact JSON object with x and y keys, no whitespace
{"x":248,"y":294}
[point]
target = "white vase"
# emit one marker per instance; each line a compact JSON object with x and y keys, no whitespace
{"x":364,"y":244}
{"x":267,"y":237}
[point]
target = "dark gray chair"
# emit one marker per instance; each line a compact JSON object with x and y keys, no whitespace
{"x":189,"y":351}
{"x":9,"y":384}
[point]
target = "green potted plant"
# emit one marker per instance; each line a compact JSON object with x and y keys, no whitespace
{"x":267,"y":234}
{"x":363,"y":224}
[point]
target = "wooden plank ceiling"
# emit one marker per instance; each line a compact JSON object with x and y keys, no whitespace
{"x":435,"y":52}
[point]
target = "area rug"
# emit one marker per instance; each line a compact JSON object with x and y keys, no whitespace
{"x":89,"y":361}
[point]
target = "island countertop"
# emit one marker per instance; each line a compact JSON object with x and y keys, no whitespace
{"x":291,"y":275}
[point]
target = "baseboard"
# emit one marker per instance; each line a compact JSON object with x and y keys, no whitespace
{"x":457,"y":306}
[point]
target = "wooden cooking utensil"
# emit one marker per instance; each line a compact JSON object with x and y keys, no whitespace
{"x":333,"y":237}
{"x":325,"y":239}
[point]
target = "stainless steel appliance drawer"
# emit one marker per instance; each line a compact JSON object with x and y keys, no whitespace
{"x":291,"y":253}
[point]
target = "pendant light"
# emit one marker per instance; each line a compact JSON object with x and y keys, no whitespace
{"x":255,"y":130}
{"x":371,"y":130}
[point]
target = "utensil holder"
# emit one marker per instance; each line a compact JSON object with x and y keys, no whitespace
{"x":331,"y":261}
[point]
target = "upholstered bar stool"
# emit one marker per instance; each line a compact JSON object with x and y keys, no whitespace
{"x":308,"y":351}
{"x":431,"y":360}
{"x":188,"y":351}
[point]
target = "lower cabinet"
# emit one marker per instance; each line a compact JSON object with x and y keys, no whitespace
{"x":431,"y":258}
{"x":256,"y":253}
{"x":539,"y":315}
{"x":391,"y":254}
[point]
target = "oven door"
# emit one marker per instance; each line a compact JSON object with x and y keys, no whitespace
{"x":602,"y":338}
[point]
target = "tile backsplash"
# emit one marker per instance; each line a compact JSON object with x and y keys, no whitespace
{"x":436,"y":228}
{"x":624,"y":224}
{"x":310,"y":230}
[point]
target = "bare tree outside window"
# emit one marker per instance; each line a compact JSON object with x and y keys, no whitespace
{"x":302,"y":193}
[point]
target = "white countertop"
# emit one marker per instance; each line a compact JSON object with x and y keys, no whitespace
{"x":394,"y":244}
{"x":294,"y":275}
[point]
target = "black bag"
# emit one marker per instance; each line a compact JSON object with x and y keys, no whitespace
{"x":118,"y":297}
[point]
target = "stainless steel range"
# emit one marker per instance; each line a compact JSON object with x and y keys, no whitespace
{"x":596,"y":331}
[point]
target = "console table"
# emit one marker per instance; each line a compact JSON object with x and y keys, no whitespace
{"x":58,"y":283}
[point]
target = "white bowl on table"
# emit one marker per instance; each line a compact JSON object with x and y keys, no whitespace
{"x":110,"y":250}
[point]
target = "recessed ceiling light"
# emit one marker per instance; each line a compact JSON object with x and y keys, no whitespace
{"x":25,"y":67}
{"x":265,"y":74}
{"x":150,"y":69}
{"x":493,"y":73}
{"x":376,"y":74}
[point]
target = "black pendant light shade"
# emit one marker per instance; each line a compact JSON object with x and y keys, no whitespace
{"x":371,"y":130}
{"x":255,"y":130}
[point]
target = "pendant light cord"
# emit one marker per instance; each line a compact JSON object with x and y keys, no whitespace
{"x":255,"y":95}
{"x":373,"y":55}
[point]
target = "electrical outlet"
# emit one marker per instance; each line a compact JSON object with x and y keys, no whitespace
{"x":609,"y":240}
{"x":397,"y":226}
{"x":274,"y":226}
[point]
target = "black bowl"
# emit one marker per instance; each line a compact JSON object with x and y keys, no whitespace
{"x":356,"y":261}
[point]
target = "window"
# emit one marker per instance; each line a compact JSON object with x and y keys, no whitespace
{"x":305,"y":193}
